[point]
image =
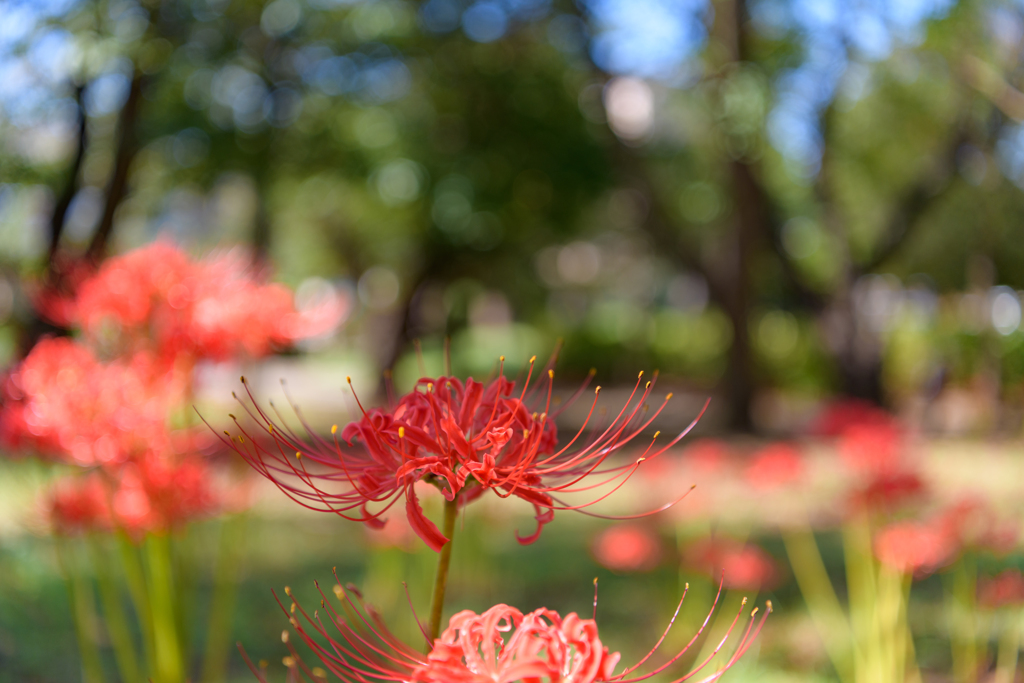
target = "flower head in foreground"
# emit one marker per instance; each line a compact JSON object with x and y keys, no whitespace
{"x":502,"y":645}
{"x":466,"y":438}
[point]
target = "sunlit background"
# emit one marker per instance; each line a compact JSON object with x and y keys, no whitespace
{"x":807,"y":211}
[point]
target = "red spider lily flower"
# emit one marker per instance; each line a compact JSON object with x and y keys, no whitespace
{"x":872,"y":448}
{"x":707,"y":455}
{"x":147,"y":494}
{"x":774,"y":466}
{"x":973,"y":524}
{"x":627,"y":548}
{"x":466,"y":438}
{"x":1004,"y":590}
{"x":841,"y":415}
{"x":914,"y":547}
{"x":888,"y":491}
{"x":213,"y":308}
{"x":502,"y":645}
{"x":742,"y":566}
{"x":63,"y":402}
{"x":79,"y":504}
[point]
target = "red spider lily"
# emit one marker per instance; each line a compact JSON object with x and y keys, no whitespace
{"x":839,"y":416}
{"x":62,"y":402}
{"x":742,"y":566}
{"x":773,"y":466}
{"x":973,"y":524}
{"x":214,"y":308}
{"x":888,"y":491}
{"x":502,"y":645}
{"x":147,"y":494}
{"x":464,"y":438}
{"x":872,"y":448}
{"x":914,"y":547}
{"x":1004,"y":590}
{"x":627,"y":548}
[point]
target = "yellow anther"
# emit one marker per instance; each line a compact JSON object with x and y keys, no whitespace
{"x":686,"y":586}
{"x":348,"y":379}
{"x":430,"y":386}
{"x":551,"y":374}
{"x":240,"y":439}
{"x":648,"y":385}
{"x":264,"y":664}
{"x":526,"y":433}
{"x":640,"y":375}
{"x":294,"y":622}
{"x":339,"y":591}
{"x":232,"y":416}
{"x":744,"y":601}
{"x":298,"y":455}
{"x":769,"y":605}
{"x":501,"y":358}
{"x":640,"y":460}
{"x":543,"y":416}
{"x":319,"y":673}
{"x":532,"y":359}
{"x":657,"y":433}
{"x":242,"y":378}
{"x":753,"y":612}
{"x":293,"y":608}
{"x":593,"y":371}
{"x":284,"y":636}
{"x":401,"y":432}
{"x":534,"y":416}
{"x":287,"y":591}
{"x":288,"y":661}
{"x":227,"y":434}
{"x":668,"y":396}
{"x":334,"y":429}
{"x":598,"y":390}
{"x":595,"y":580}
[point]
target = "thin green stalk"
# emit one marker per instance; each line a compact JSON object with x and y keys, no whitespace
{"x":863,"y":596}
{"x":136,"y":580}
{"x":820,"y":597}
{"x":1009,"y":645}
{"x":961,"y":613}
{"x":222,"y":606}
{"x":169,"y":667}
{"x":451,"y":511}
{"x":113,"y":610}
{"x":83,"y":611}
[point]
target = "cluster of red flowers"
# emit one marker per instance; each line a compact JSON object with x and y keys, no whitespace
{"x":502,"y":645}
{"x":467,"y":438}
{"x":212,"y":308}
{"x":152,"y":314}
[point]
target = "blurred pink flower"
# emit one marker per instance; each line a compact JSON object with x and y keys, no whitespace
{"x":1003,"y":590}
{"x":872,"y":448}
{"x":79,"y":504}
{"x":839,"y":416}
{"x":973,"y":524}
{"x":914,"y":547}
{"x":627,"y":548}
{"x":502,"y":645}
{"x":742,"y":566}
{"x":888,"y":491}
{"x":707,"y":455}
{"x":774,"y":466}
{"x":467,"y":439}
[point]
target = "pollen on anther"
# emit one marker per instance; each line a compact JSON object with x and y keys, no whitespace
{"x":668,"y":396}
{"x":284,"y":636}
{"x":640,"y":375}
{"x":334,"y":429}
{"x":288,"y":662}
{"x":287,"y":591}
{"x":293,"y":608}
{"x":753,"y":612}
{"x":744,"y":601}
{"x":348,"y":379}
{"x":298,"y":455}
{"x":657,"y":433}
{"x":339,"y":591}
{"x":769,"y":602}
{"x":401,"y":432}
{"x":227,"y":434}
{"x":294,"y":622}
{"x":526,"y":433}
{"x":533,"y":358}
{"x":597,"y":390}
{"x":242,"y":378}
{"x":686,"y":586}
{"x":501,"y":358}
{"x":551,"y":374}
{"x":240,"y":439}
{"x":640,"y":460}
{"x":648,"y":385}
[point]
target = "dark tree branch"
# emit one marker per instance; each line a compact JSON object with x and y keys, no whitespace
{"x":117,"y":188}
{"x":60,"y":209}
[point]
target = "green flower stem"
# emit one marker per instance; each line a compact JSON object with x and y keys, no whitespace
{"x":135,"y":578}
{"x":451,"y":511}
{"x":1009,"y":645}
{"x":162,"y":599}
{"x":83,"y":610}
{"x":820,"y":597}
{"x":962,"y":614}
{"x":114,"y":613}
{"x":218,"y":632}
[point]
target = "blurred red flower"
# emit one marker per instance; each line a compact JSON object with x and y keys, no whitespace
{"x":742,"y":566}
{"x":627,"y":548}
{"x":79,"y":504}
{"x":775,"y":465}
{"x":466,"y":439}
{"x":973,"y":524}
{"x":1003,"y":590}
{"x":63,"y":403}
{"x":707,"y":455}
{"x":888,"y":491}
{"x":502,"y":645}
{"x":872,"y":448}
{"x":914,"y":547}
{"x":213,"y":308}
{"x":840,"y":415}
